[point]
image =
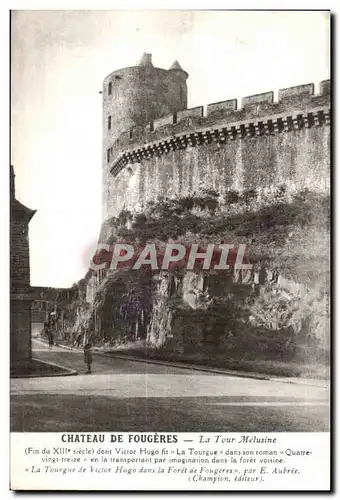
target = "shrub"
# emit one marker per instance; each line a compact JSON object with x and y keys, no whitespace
{"x":248,"y":195}
{"x":124,"y":216}
{"x":211,"y":192}
{"x":231,"y":197}
{"x":280,"y":192}
{"x":139,"y":221}
{"x":187,"y":202}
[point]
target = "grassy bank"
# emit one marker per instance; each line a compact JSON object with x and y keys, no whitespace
{"x":265,"y":367}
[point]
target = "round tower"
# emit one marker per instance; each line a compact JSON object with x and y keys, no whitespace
{"x":135,"y":96}
{"x":138,"y":94}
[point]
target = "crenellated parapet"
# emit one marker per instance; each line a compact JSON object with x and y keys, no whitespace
{"x":297,"y":108}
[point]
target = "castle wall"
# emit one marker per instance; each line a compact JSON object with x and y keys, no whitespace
{"x":20,"y":329}
{"x":261,"y":145}
{"x":20,"y":261}
{"x":299,"y":159}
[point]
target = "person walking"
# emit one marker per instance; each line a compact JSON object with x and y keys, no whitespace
{"x":50,"y":339}
{"x":49,"y":334}
{"x":88,"y":356}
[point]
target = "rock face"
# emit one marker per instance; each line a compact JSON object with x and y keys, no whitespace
{"x":206,"y":314}
{"x":257,"y":175}
{"x":216,"y":315}
{"x":277,"y":311}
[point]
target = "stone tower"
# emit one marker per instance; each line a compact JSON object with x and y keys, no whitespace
{"x":135,"y":96}
{"x":21,"y":294}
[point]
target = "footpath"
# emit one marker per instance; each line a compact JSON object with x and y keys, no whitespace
{"x":203,"y":368}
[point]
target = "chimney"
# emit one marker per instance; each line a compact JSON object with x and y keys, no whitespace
{"x":145,"y":60}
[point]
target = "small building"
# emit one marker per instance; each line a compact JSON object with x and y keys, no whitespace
{"x":47,"y":301}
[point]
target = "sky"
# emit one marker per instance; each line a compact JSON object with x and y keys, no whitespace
{"x":58,"y":62}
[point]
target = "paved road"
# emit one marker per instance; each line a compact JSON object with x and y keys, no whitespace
{"x":124,"y":395}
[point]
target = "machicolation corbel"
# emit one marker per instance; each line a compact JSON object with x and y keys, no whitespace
{"x":297,"y":107}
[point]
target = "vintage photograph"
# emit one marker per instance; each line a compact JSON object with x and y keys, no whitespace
{"x":170,"y":221}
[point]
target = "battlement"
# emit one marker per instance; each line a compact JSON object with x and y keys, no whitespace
{"x":297,"y":107}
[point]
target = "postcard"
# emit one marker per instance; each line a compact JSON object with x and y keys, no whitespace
{"x":170,"y":250}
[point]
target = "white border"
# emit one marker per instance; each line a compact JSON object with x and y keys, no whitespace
{"x":4,"y":213}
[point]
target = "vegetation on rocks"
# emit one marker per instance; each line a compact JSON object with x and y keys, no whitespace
{"x":285,"y":321}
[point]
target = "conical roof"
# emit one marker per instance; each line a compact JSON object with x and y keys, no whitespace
{"x":17,"y":208}
{"x":176,"y":65}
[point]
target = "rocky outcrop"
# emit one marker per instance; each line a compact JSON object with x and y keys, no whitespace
{"x":277,"y":311}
